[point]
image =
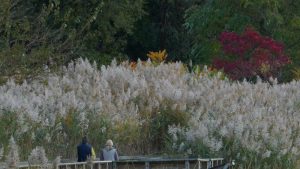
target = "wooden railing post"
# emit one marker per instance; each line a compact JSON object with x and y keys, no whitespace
{"x":147,"y":165}
{"x":187,"y":164}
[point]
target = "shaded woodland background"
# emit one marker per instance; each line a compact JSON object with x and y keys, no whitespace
{"x":40,"y":34}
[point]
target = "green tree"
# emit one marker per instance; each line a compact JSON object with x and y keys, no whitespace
{"x":52,"y":32}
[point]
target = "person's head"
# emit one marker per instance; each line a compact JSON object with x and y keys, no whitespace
{"x":84,"y":139}
{"x":109,"y":143}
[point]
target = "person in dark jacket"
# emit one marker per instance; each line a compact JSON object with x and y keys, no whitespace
{"x":84,"y":150}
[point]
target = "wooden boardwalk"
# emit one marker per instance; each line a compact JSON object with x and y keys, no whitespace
{"x":137,"y":163}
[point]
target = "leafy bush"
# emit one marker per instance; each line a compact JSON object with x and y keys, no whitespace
{"x":249,"y":55}
{"x":278,"y":19}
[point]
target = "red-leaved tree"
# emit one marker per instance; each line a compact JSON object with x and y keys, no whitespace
{"x":249,"y":55}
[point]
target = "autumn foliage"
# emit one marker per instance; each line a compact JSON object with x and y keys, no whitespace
{"x":158,"y":57}
{"x":249,"y":55}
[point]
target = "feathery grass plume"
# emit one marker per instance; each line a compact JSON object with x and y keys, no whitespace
{"x":1,"y":151}
{"x":56,"y":162}
{"x":38,"y":157}
{"x":83,"y":122}
{"x":12,"y":158}
{"x":225,"y":116}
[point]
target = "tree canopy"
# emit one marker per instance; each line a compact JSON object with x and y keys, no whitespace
{"x":37,"y":34}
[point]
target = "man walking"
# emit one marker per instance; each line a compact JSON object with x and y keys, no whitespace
{"x":84,"y":150}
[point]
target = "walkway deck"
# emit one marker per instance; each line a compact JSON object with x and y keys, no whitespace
{"x":138,"y":163}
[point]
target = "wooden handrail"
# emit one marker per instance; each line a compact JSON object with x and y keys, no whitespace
{"x":146,"y":161}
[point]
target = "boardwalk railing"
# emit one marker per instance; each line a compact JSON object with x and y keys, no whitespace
{"x":169,"y":163}
{"x":136,"y":163}
{"x":70,"y":165}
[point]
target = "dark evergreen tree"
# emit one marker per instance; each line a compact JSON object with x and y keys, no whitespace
{"x":161,"y":28}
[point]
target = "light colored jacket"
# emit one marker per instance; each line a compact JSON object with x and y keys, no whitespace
{"x":109,"y":154}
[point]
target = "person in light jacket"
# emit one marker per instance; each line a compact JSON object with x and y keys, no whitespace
{"x":109,"y":153}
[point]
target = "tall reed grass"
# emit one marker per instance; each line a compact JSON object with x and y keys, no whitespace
{"x":194,"y":112}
